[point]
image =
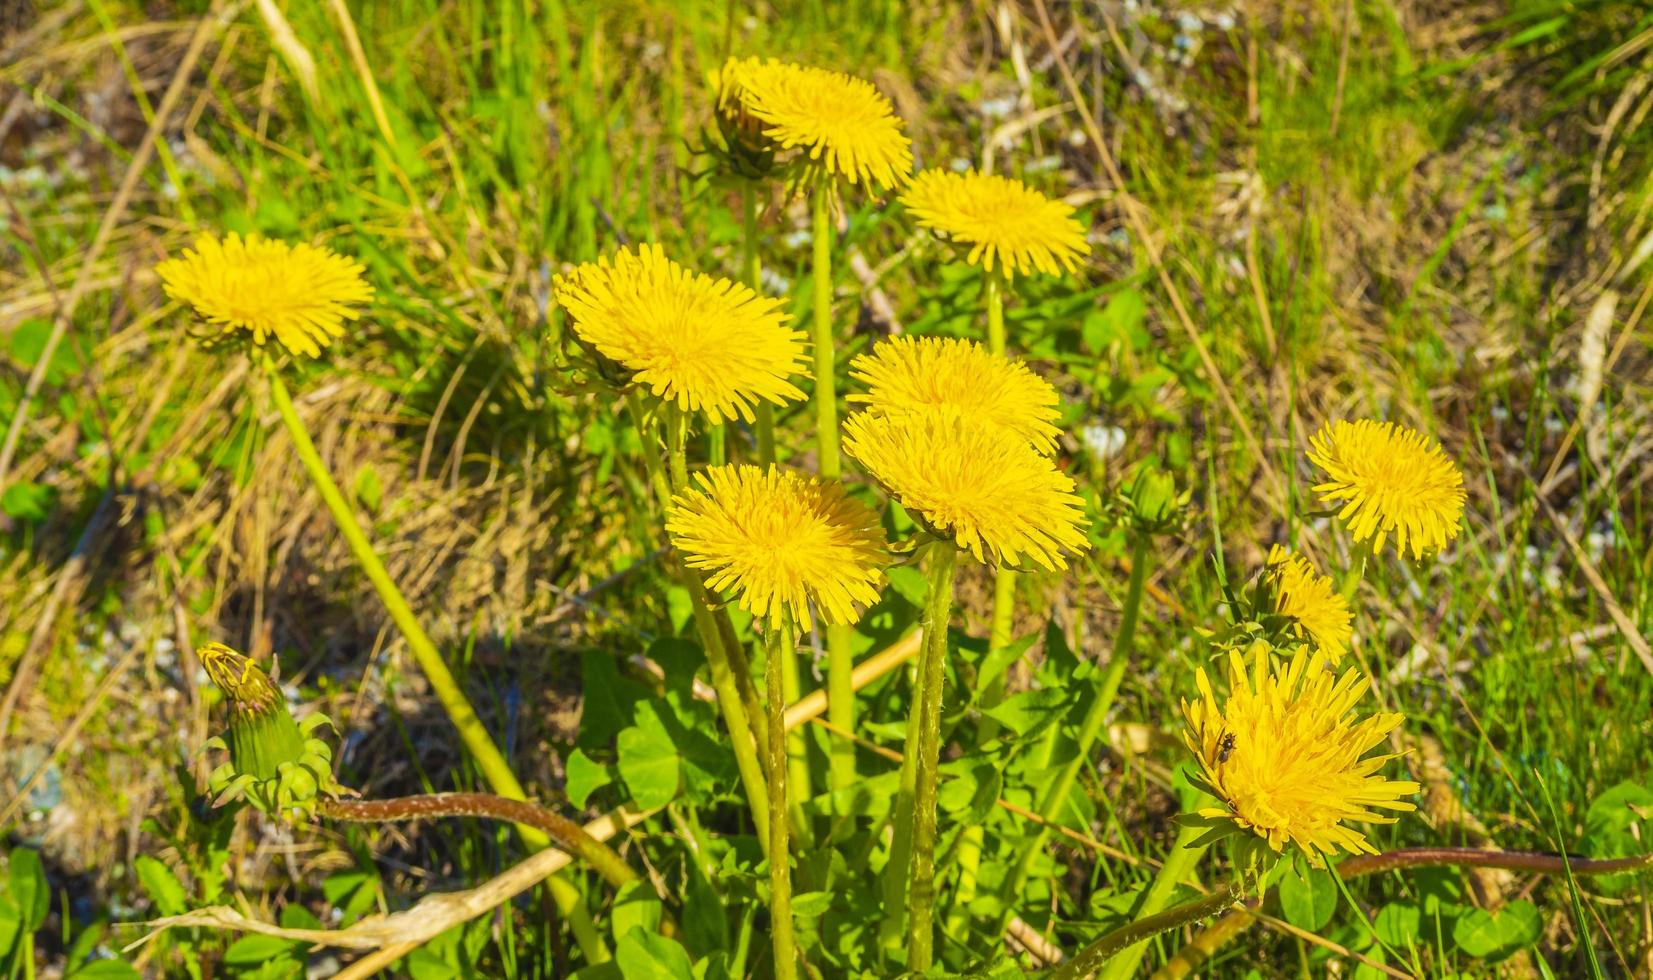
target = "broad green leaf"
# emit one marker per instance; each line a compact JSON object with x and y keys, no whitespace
{"x":705,"y":923}
{"x":998,"y":661}
{"x":810,"y":905}
{"x":584,"y":777}
{"x":636,"y":906}
{"x":351,"y":892}
{"x":367,"y":488}
{"x":10,"y":926}
{"x":971,"y":791}
{"x":643,"y":955}
{"x":910,"y":583}
{"x":29,"y":891}
{"x":254,"y":949}
{"x":608,"y":698}
{"x":1308,"y":899}
{"x":648,"y":760}
{"x":1398,"y":924}
{"x":162,"y":885}
{"x":1495,"y":936}
{"x":1029,"y":711}
{"x":27,"y":502}
{"x":1618,"y":824}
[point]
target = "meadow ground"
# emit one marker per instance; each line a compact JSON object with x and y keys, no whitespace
{"x":1435,"y":213}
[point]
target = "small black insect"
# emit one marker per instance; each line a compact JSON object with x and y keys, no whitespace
{"x":1225,"y":747}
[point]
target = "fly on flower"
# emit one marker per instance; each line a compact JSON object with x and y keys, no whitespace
{"x":1286,"y":756}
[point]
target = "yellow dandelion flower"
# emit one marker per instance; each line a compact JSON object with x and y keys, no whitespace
{"x":778,"y":540}
{"x":1286,"y":755}
{"x":847,"y":128}
{"x":708,"y":345}
{"x":958,"y":378}
{"x":1004,"y":221}
{"x":1394,"y":480}
{"x":985,"y":488}
{"x":303,"y":294}
{"x":1309,"y":600}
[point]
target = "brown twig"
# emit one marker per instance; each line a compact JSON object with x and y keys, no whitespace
{"x":1206,"y":944}
{"x":568,"y":834}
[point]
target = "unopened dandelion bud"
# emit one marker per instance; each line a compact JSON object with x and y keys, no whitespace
{"x":747,"y":151}
{"x":1153,"y":504}
{"x":275,"y":763}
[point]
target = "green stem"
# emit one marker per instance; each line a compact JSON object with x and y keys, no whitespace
{"x":921,"y":888}
{"x":1054,"y":805}
{"x":797,"y":747}
{"x":780,"y":858}
{"x":999,"y":636}
{"x":826,"y":364}
{"x":651,"y":461}
{"x":489,"y":760}
{"x":717,"y":452}
{"x":1140,"y":931}
{"x":677,"y":439}
{"x":839,"y":639}
{"x":752,"y":269}
{"x":717,"y":646}
{"x":471,"y":731}
{"x":1178,"y":867}
{"x":993,"y":291}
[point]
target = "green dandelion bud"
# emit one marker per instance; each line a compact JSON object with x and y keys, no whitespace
{"x":275,"y":762}
{"x":1152,"y":504}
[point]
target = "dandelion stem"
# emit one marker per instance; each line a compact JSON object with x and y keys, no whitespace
{"x":826,"y":364}
{"x":780,"y":858}
{"x":1055,"y":803}
{"x":752,"y":269}
{"x":999,"y":636}
{"x":840,"y":658}
{"x":472,"y":733}
{"x":1179,"y":864}
{"x":471,"y":730}
{"x":932,"y":677}
{"x":993,"y":292}
{"x":1134,"y":934}
{"x":651,"y":461}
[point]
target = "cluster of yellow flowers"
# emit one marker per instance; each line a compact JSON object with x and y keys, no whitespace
{"x":962,"y":437}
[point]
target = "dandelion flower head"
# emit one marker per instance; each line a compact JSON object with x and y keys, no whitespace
{"x":1004,"y":222}
{"x":707,"y":345}
{"x":1286,"y":755}
{"x":1309,"y":601}
{"x":301,"y":294}
{"x":778,"y":540}
{"x":958,"y":378}
{"x":844,"y":125}
{"x":984,"y":487}
{"x":1390,"y":480}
